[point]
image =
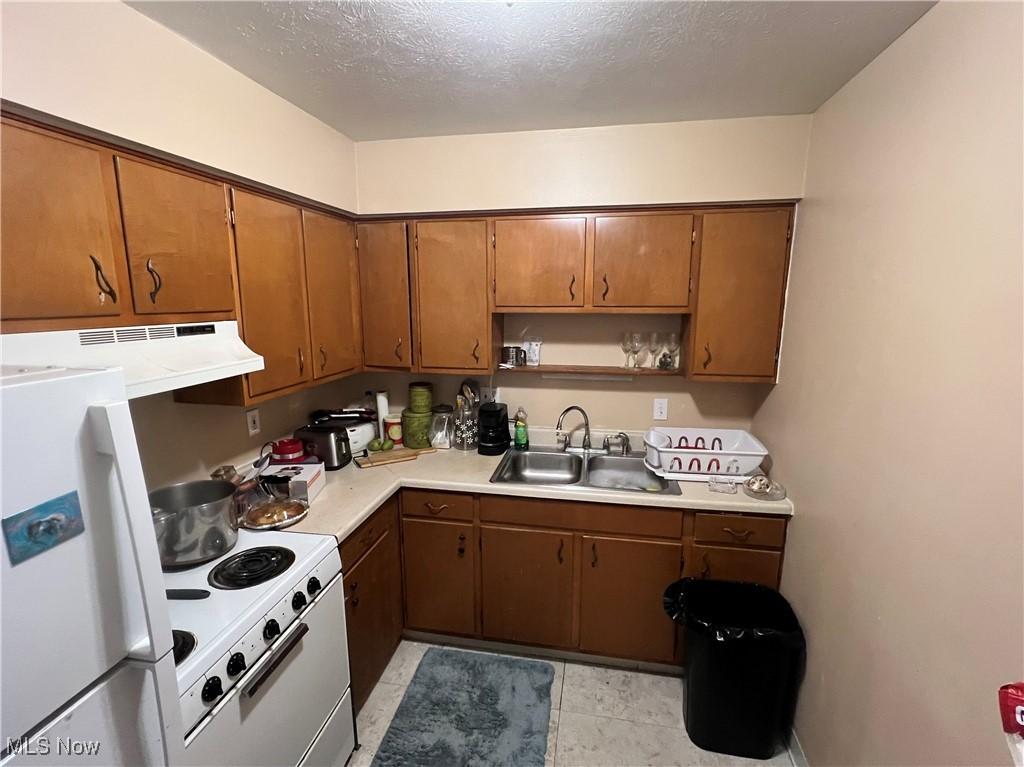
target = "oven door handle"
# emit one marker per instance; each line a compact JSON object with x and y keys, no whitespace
{"x":271,"y":666}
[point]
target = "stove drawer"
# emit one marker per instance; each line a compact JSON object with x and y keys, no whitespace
{"x":276,"y":710}
{"x":336,"y":740}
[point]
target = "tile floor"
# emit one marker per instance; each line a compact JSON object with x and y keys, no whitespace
{"x":600,"y":717}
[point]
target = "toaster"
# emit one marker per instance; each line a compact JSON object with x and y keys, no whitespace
{"x":327,"y":442}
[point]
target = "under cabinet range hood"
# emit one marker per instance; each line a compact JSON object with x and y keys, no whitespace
{"x":155,"y":358}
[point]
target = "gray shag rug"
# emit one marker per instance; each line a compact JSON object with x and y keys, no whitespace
{"x":469,"y":708}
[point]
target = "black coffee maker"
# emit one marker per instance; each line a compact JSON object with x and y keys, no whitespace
{"x":495,"y":437}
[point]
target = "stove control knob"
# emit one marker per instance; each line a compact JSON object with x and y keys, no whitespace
{"x":271,"y":630}
{"x":236,"y":664}
{"x":313,"y":586}
{"x":212,"y":690}
{"x":298,"y":601}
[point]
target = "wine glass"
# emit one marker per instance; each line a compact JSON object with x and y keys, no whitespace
{"x":672,"y":344}
{"x":624,"y":344}
{"x":654,"y":344}
{"x":636,"y":345}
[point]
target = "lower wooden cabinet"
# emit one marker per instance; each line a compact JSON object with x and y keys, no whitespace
{"x":440,"y":576}
{"x":526,"y":591}
{"x":726,"y":563}
{"x":621,"y":583}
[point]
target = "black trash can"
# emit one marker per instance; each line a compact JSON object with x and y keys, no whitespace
{"x":745,"y":656}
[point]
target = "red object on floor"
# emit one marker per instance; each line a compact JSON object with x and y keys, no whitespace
{"x":1011,"y":708}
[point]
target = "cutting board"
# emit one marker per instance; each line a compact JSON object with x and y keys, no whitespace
{"x":397,"y":455}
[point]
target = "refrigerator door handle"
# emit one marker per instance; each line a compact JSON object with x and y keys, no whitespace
{"x":115,"y":436}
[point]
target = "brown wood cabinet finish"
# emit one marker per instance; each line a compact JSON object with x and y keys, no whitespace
{"x":384,"y":294}
{"x":63,"y":251}
{"x":373,"y":613}
{"x":740,"y":530}
{"x":731,"y":564}
{"x":453,"y":320}
{"x":359,"y":541}
{"x":621,"y":583}
{"x":539,"y":261}
{"x":272,"y":285}
{"x":437,"y":505}
{"x":177,"y":234}
{"x":642,"y":260}
{"x":744,"y":258}
{"x":527,"y":585}
{"x":440,"y":575}
{"x":571,"y":515}
{"x":332,"y":276}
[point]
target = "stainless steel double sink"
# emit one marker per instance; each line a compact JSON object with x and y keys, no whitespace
{"x":588,"y":468}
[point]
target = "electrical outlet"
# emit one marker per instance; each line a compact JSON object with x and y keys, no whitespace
{"x":252,"y":421}
{"x":660,"y":409}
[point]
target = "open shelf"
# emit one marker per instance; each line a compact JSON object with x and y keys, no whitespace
{"x":592,"y":369}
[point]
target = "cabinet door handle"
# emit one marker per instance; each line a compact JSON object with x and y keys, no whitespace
{"x":607,"y":287}
{"x":476,"y":351}
{"x":707,"y":359}
{"x":323,"y":358}
{"x":572,"y":288}
{"x":435,"y":509}
{"x":740,"y":535}
{"x":101,"y":280}
{"x":355,"y":597}
{"x":593,"y":555}
{"x":158,"y":281}
{"x":561,"y":548}
{"x":302,"y":361}
{"x":462,"y":544}
{"x":706,"y":570}
{"x":368,"y":538}
{"x":398,"y":349}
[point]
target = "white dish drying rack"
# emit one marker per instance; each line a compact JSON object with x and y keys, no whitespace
{"x":696,"y":455}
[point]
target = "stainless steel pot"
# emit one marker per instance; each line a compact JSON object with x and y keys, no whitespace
{"x":194,"y":521}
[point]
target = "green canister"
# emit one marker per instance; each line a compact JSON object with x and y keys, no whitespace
{"x":421,"y":396}
{"x":416,"y":428}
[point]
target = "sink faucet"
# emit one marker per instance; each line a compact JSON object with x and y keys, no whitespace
{"x":586,"y":427}
{"x":622,"y":438}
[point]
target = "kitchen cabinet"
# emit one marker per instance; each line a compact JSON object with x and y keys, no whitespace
{"x":384,"y":294}
{"x":272,"y":287}
{"x":440,"y":575}
{"x":642,"y":260}
{"x":453,"y":321}
{"x":621,"y":586}
{"x":527,"y":585}
{"x":726,"y":563}
{"x":176,"y":230}
{"x":63,"y":250}
{"x":332,"y":276}
{"x":373,"y":599}
{"x":741,"y":287}
{"x":539,"y":262}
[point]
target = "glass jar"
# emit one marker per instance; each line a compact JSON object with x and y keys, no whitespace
{"x":442,"y":427}
{"x":465,"y":435}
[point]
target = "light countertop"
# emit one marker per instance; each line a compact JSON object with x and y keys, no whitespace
{"x":353,"y":494}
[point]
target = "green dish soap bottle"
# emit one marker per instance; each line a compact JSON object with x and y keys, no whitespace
{"x":522,"y":435}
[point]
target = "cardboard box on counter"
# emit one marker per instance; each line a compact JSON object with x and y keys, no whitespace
{"x":307,"y":479}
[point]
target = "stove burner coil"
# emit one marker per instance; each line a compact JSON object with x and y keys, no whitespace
{"x":184,"y":644}
{"x":251,"y":567}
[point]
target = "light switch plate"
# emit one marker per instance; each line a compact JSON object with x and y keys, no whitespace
{"x":252,"y":421}
{"x":660,"y":409}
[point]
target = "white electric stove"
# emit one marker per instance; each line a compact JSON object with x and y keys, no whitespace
{"x":261,"y":653}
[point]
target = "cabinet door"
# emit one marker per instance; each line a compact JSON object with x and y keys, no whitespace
{"x":622,"y":583}
{"x":526,"y":585}
{"x":451,"y":294}
{"x":642,"y":260}
{"x":440,"y":562}
{"x":60,"y":229}
{"x":272,"y":285}
{"x":539,"y":261}
{"x":384,"y":295}
{"x":333,"y":286}
{"x":725,"y":563}
{"x":373,"y":611}
{"x":176,"y":234}
{"x":741,"y":289}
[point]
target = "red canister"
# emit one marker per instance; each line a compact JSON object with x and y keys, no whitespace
{"x":288,"y":450}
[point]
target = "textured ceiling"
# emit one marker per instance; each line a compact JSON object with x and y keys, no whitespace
{"x":396,"y":69}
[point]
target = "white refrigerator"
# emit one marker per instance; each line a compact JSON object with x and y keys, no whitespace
{"x":85,"y":639}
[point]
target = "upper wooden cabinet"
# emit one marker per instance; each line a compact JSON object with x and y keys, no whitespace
{"x":176,"y":230}
{"x":539,"y":262}
{"x":63,"y":252}
{"x":452,"y":319}
{"x":384,"y":294}
{"x":272,"y":285}
{"x":642,"y":260}
{"x":737,"y":326}
{"x":332,"y":276}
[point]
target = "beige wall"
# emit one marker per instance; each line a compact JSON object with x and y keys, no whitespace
{"x":760,"y":158}
{"x":107,"y":66}
{"x":897,"y":422}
